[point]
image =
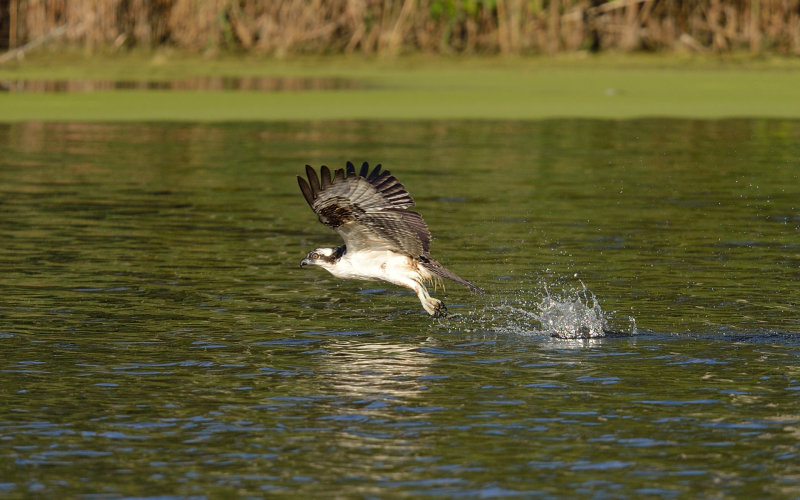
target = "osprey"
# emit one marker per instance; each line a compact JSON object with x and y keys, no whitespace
{"x":383,"y":240}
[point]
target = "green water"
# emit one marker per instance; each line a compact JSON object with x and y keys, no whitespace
{"x":158,"y":338}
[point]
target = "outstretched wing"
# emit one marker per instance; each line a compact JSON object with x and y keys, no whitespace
{"x":368,"y":209}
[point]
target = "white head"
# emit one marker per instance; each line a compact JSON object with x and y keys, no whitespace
{"x":323,"y":257}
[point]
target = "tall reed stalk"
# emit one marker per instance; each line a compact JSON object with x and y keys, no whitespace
{"x":432,"y":26}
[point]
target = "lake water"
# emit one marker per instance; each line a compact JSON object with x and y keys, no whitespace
{"x":203,"y":84}
{"x":158,"y":338}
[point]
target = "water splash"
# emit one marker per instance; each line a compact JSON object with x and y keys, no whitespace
{"x":574,"y":316}
{"x":571,"y":314}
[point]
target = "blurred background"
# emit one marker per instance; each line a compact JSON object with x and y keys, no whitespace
{"x":392,"y":27}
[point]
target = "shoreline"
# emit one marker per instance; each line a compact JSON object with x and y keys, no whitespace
{"x":605,"y":86}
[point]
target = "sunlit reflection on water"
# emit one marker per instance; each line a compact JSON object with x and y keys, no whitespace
{"x":157,"y":338}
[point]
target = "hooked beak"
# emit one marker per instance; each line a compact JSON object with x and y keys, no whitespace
{"x":305,"y":262}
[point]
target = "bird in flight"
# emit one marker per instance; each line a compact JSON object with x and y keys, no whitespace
{"x":383,"y":240}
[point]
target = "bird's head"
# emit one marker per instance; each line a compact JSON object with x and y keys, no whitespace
{"x":322,"y":257}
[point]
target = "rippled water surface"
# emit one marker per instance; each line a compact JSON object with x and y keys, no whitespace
{"x":158,"y":337}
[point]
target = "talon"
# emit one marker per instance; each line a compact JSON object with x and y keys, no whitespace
{"x":440,"y":311}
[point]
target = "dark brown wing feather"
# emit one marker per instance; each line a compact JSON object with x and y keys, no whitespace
{"x":312,"y":179}
{"x":368,"y":209}
{"x":308,"y":193}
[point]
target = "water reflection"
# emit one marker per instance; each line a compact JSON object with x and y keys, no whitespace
{"x":653,"y":233}
{"x":157,"y":337}
{"x":206,"y":83}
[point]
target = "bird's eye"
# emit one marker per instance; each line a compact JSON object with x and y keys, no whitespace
{"x":315,"y":256}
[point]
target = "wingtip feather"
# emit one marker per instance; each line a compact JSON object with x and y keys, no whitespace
{"x":325,"y":176}
{"x":308,"y":193}
{"x":313,"y":180}
{"x":375,"y":173}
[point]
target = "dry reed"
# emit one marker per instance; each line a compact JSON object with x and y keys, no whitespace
{"x":435,"y":26}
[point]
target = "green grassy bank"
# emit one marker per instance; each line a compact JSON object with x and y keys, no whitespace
{"x":606,"y":86}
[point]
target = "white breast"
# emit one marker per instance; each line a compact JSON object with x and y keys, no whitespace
{"x":376,"y":265}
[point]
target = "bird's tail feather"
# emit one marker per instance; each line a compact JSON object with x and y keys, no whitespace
{"x":439,"y":270}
